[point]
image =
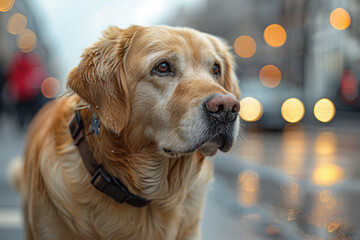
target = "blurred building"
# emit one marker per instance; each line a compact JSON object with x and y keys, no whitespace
{"x":330,"y":52}
{"x":314,"y":56}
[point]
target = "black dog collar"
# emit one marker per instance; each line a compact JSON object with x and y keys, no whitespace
{"x":101,"y":179}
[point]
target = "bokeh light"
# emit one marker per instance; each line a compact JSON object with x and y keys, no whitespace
{"x":325,"y":147}
{"x":327,"y":174}
{"x":50,"y":87}
{"x":324,"y":110}
{"x":250,"y":109}
{"x":292,"y":110}
{"x":248,"y":188}
{"x":17,"y":23}
{"x":332,"y":227}
{"x":26,"y":41}
{"x":245,"y":46}
{"x":340,"y":19}
{"x":270,"y":76}
{"x":294,"y":149}
{"x":275,"y":35}
{"x":331,"y":204}
{"x":6,"y":5}
{"x":325,"y":195}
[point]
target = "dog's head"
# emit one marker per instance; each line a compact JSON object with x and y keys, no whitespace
{"x":175,"y":87}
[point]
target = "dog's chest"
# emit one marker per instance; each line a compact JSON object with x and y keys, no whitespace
{"x":133,"y":223}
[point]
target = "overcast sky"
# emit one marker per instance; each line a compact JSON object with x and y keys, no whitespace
{"x":69,"y":26}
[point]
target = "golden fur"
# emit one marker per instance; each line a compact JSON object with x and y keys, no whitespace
{"x":140,"y":114}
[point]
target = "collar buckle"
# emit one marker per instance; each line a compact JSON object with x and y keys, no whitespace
{"x":109,"y":185}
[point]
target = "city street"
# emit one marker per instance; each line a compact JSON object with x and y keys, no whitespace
{"x":300,"y":183}
{"x":294,"y":171}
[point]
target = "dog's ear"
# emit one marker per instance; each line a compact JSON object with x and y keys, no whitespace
{"x":100,"y":78}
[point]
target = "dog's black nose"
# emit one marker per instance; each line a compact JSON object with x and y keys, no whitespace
{"x":223,"y":107}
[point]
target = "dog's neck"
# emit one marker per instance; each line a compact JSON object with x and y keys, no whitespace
{"x":141,"y":168}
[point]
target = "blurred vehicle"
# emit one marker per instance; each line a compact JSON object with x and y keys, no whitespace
{"x":271,"y":100}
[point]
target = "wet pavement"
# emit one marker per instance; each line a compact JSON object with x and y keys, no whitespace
{"x":301,"y":183}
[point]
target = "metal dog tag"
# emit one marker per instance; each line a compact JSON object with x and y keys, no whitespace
{"x":94,"y":127}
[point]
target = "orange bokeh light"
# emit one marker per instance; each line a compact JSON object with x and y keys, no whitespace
{"x":6,"y":5}
{"x":17,"y":23}
{"x":270,"y":76}
{"x":251,"y":109}
{"x":340,"y":19}
{"x":245,"y":46}
{"x":292,"y":110}
{"x":327,"y":174}
{"x":248,"y":188}
{"x":26,"y":41}
{"x":275,"y":35}
{"x":50,"y":87}
{"x":324,"y":110}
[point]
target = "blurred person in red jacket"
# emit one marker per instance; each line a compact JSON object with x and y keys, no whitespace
{"x":2,"y":84}
{"x":24,"y":77}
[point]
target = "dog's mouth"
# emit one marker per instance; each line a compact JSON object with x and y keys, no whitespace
{"x":222,"y":142}
{"x":206,"y":146}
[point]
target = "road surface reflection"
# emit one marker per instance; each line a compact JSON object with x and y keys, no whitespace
{"x":296,"y":184}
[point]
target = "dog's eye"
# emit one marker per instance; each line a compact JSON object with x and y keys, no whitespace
{"x":162,"y":69}
{"x":216,"y":70}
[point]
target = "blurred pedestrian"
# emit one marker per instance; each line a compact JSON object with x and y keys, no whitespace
{"x":2,"y":84}
{"x":24,"y":76}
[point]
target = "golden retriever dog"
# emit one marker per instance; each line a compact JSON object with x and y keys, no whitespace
{"x":146,"y":106}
